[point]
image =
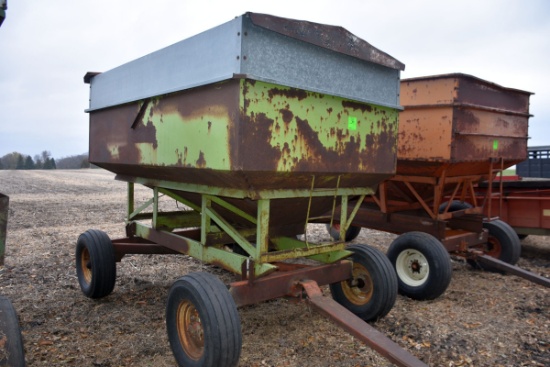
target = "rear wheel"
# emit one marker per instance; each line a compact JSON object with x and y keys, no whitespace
{"x":202,"y":321}
{"x":95,"y":264}
{"x":371,"y":292}
{"x":351,"y":233}
{"x":11,"y":342}
{"x":422,"y":264}
{"x":503,"y":244}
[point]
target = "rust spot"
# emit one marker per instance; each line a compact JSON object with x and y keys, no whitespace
{"x":288,"y":93}
{"x":317,"y":153}
{"x":201,"y":162}
{"x":357,"y":106}
{"x":277,"y":129}
{"x":256,"y":137}
{"x":287,"y":115}
{"x":116,"y":123}
{"x":180,"y":157}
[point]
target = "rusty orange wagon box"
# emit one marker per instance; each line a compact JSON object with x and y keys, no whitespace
{"x":461,"y":121}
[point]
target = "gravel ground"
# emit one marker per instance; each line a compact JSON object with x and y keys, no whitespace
{"x":483,"y":319}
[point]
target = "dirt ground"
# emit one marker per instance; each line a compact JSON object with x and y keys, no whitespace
{"x":483,"y":319}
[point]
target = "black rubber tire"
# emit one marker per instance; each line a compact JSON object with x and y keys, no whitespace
{"x":11,"y":342}
{"x":351,"y":233}
{"x":456,"y":205}
{"x":503,"y":244}
{"x":422,"y":264}
{"x":95,"y":264}
{"x":200,"y":302}
{"x":372,"y":291}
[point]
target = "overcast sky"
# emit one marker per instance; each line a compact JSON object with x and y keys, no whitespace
{"x":46,"y":47}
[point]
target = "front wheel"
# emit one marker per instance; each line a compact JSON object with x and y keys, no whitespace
{"x":95,"y":264}
{"x":371,"y":292}
{"x":422,"y":264}
{"x":202,"y":321}
{"x":11,"y":342}
{"x":503,"y":244}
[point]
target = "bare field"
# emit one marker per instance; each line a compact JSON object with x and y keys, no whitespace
{"x":484,"y":319}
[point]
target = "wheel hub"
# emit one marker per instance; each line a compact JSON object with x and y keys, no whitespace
{"x":360,"y":288}
{"x":86,"y":265}
{"x":190,"y":330}
{"x":412,"y":267}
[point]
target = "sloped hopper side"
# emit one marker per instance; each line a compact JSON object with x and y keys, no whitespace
{"x":248,"y":135}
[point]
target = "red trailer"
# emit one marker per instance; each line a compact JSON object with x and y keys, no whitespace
{"x":455,"y":131}
{"x":523,"y":203}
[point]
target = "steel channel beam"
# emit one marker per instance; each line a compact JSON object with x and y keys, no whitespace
{"x":242,"y":194}
{"x":208,"y":254}
{"x":285,"y":283}
{"x":359,"y":328}
{"x":458,"y":241}
{"x":136,"y":245}
{"x":512,"y":269}
{"x":397,"y":222}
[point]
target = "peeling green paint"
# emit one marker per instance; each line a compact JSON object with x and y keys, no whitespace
{"x":300,"y":120}
{"x":200,"y":140}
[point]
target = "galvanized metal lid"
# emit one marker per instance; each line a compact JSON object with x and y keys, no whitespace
{"x":294,"y":53}
{"x":333,"y":38}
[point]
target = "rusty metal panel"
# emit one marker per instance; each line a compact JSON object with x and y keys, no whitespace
{"x":424,"y":132}
{"x":4,"y":205}
{"x":459,"y":118}
{"x":247,"y":134}
{"x":289,"y":130}
{"x":289,"y":52}
{"x":462,"y":88}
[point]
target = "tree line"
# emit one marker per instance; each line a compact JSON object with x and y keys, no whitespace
{"x":44,"y":160}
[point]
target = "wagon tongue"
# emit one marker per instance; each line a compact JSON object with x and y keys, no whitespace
{"x":509,"y":268}
{"x":358,"y":328}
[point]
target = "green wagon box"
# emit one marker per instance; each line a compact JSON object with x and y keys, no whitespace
{"x":258,"y":126}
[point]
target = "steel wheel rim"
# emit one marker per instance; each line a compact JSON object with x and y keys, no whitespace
{"x":493,"y":247}
{"x":86,"y":265}
{"x":190,"y":330}
{"x":412,"y":267}
{"x":360,"y":288}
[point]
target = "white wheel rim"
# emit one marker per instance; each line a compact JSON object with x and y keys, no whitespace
{"x":412,"y":267}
